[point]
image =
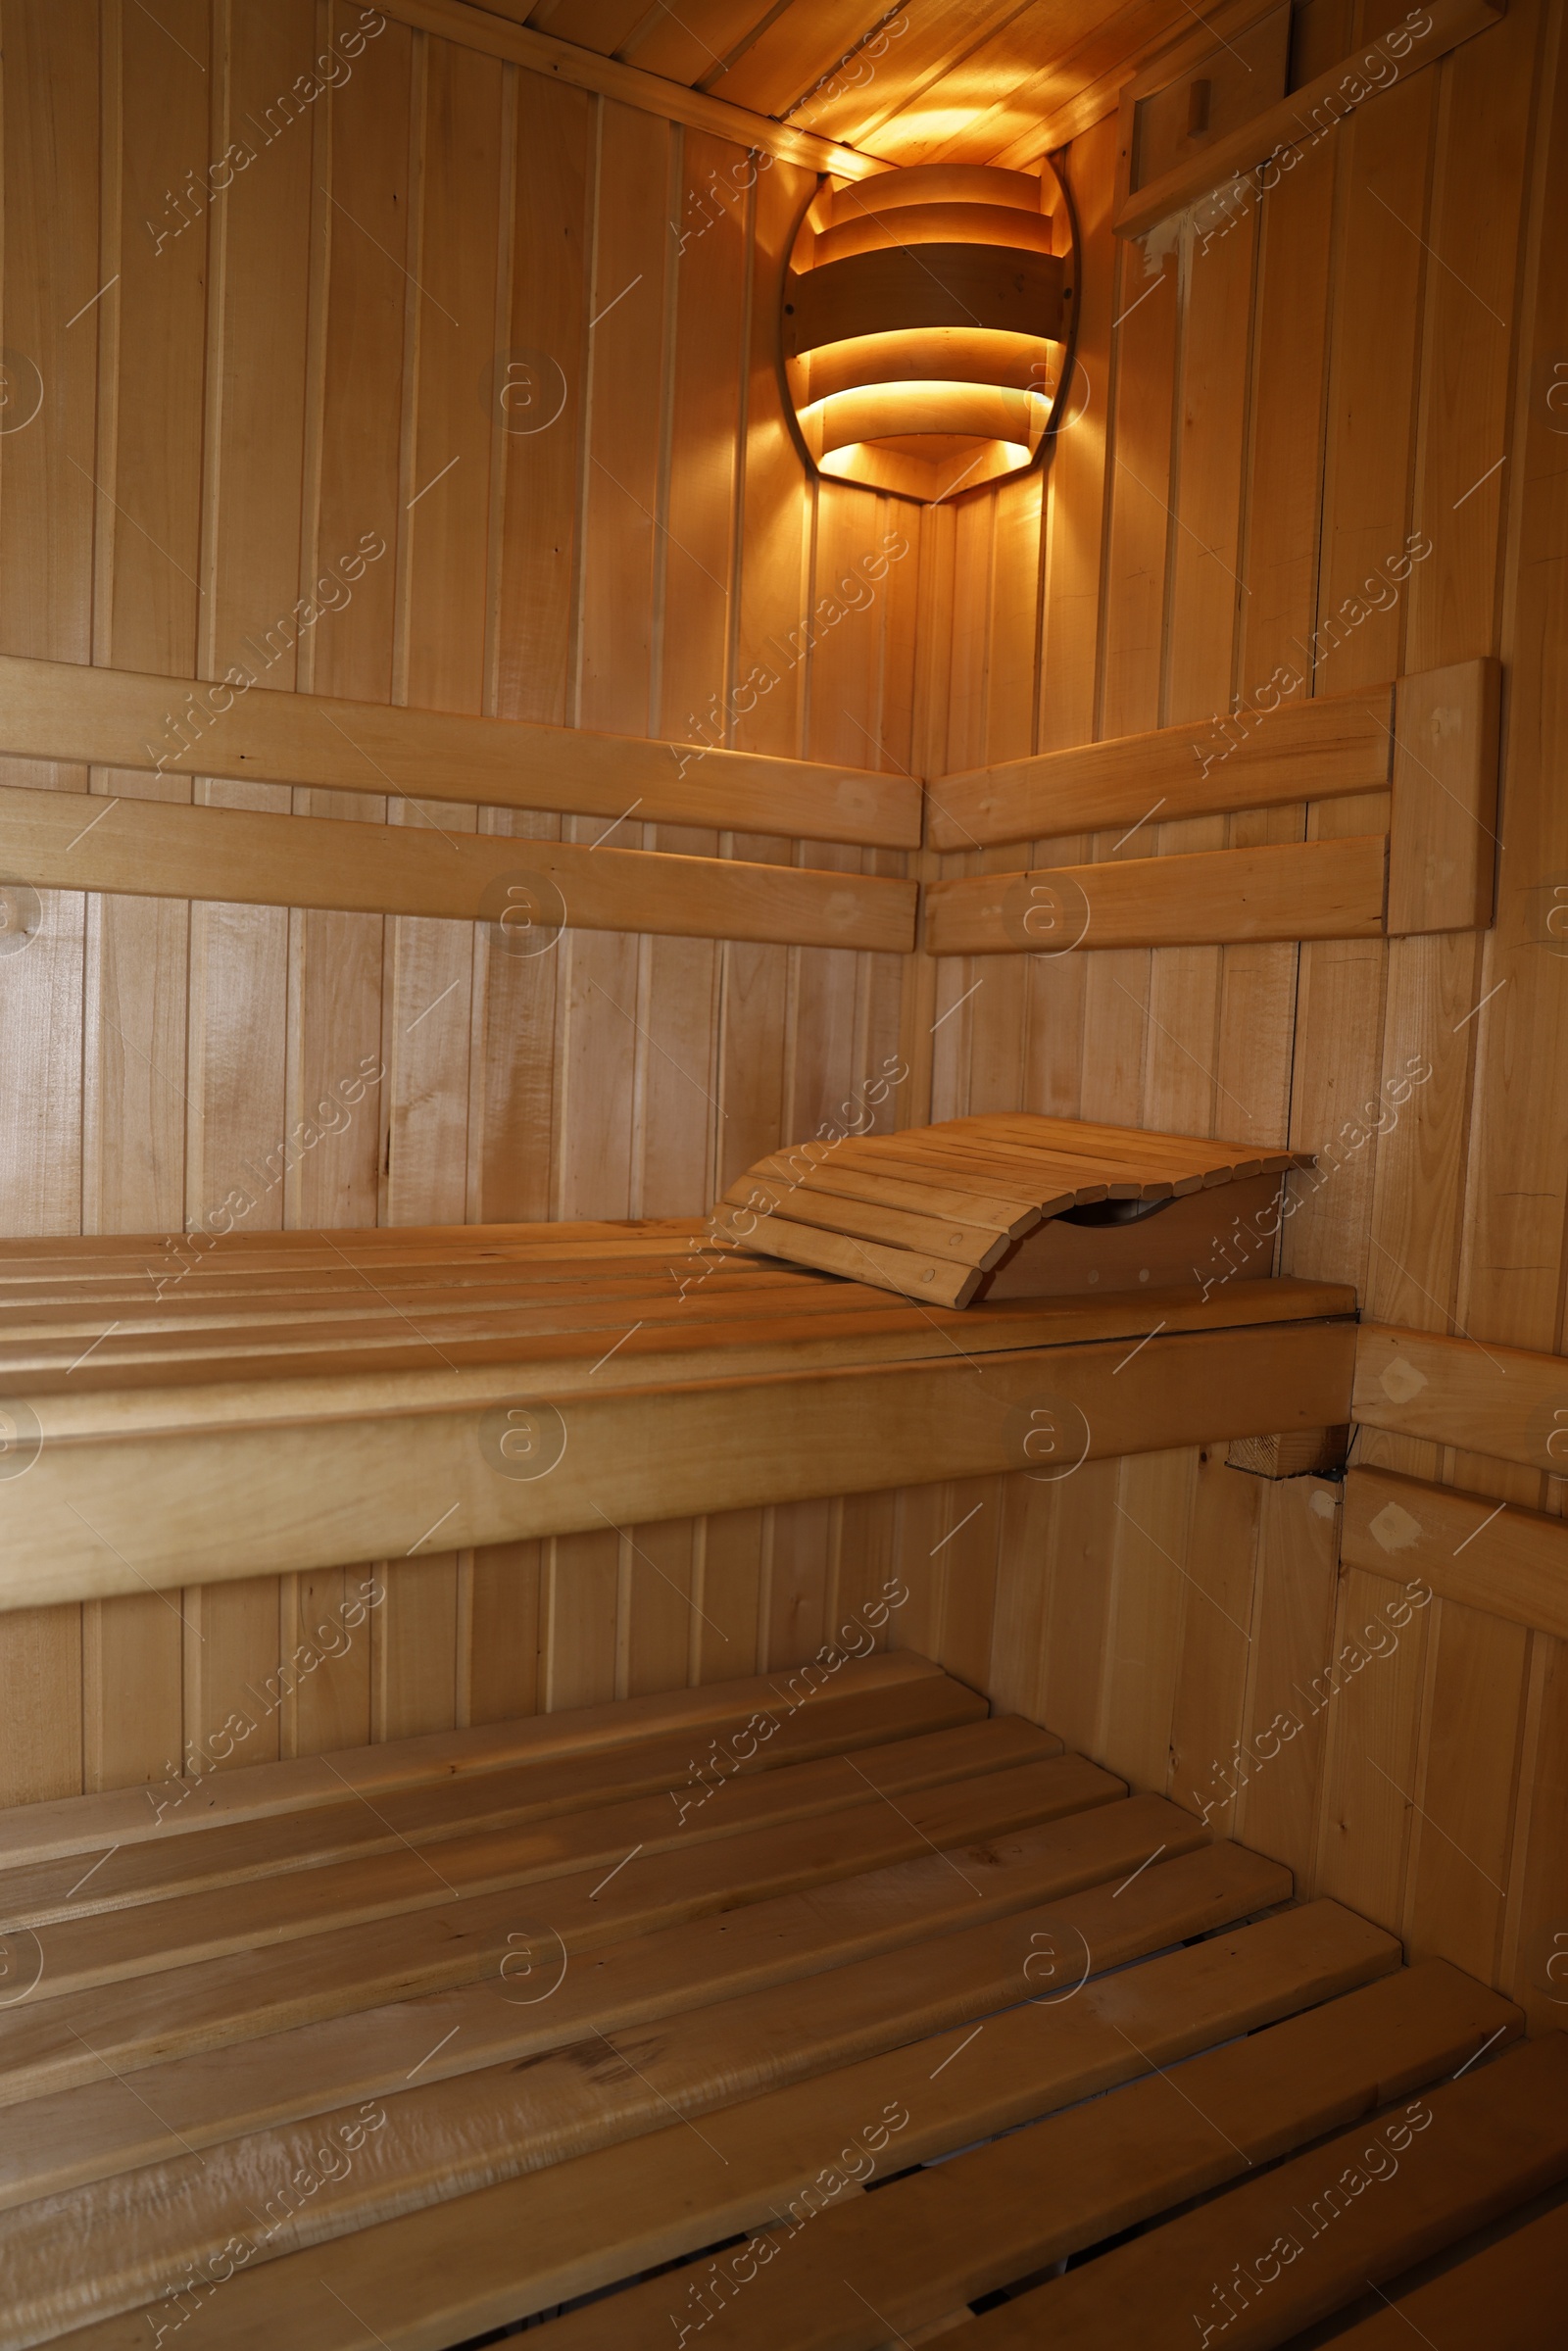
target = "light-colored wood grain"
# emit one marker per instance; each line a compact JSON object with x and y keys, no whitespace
{"x":1149,"y":1577}
{"x":629,"y":1455}
{"x":1290,"y":750}
{"x":1282,"y":128}
{"x":1306,"y":890}
{"x":1442,"y":830}
{"x":1111,"y":2033}
{"x":259,"y":859}
{"x":1507,"y":1562}
{"x":920,"y":2246}
{"x":1374,"y":1716}
{"x":40,"y":1833}
{"x":1267,"y":1787}
{"x":566,"y":62}
{"x":1039,"y":1855}
{"x":118,"y":718}
{"x":1497,"y":1400}
{"x":328,"y":1895}
{"x":1367,"y":534}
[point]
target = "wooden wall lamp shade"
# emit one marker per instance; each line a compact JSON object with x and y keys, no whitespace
{"x":927,"y":314}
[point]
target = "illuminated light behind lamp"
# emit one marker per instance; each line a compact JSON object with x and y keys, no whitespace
{"x":925,"y":323}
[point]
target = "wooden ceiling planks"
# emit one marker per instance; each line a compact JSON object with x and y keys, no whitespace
{"x":684,"y":44}
{"x":602,"y":26}
{"x":797,"y":51}
{"x":960,"y":81}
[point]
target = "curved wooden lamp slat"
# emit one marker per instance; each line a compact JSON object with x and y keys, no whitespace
{"x":936,"y":285}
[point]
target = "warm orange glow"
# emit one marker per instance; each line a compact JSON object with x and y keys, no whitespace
{"x":935,"y":355}
{"x":936,"y":224}
{"x":888,"y":412}
{"x":955,"y":468}
{"x":925,"y":410}
{"x":937,"y":183}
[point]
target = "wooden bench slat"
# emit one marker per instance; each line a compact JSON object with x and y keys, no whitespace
{"x":241,"y":1496}
{"x":981,"y":1856}
{"x":1510,"y":2297}
{"x":1029,"y":2061}
{"x":36,"y":1833}
{"x":427,"y":1812}
{"x":931,"y":2243}
{"x":184,"y":1929}
{"x":106,"y":2127}
{"x":480,"y":2260}
{"x":916,"y":1273}
{"x":1490,"y":2142}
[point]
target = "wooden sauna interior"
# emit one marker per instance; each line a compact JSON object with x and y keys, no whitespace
{"x":783,"y":1173}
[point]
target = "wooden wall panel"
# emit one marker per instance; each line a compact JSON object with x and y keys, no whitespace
{"x":1342,"y":393}
{"x":448,"y":350}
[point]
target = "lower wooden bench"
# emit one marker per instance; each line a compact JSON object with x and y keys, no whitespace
{"x":948,"y":1940}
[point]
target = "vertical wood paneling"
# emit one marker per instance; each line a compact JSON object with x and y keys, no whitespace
{"x":694,"y":553}
{"x":503,"y":1663}
{"x":1216,"y":1634}
{"x":621,"y":495}
{"x":150,"y":328}
{"x":1206,"y":590}
{"x":262,"y":269}
{"x":763,"y":709}
{"x":538,"y":406}
{"x":41,"y":1695}
{"x":394,"y":334}
{"x":1380,"y":263}
{"x":1274,"y":1771}
{"x":1472,"y":1719}
{"x":1371,"y":1761}
{"x":52,"y":266}
{"x":1148,"y":1587}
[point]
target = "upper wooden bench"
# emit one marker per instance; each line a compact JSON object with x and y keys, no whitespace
{"x":176,"y":1413}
